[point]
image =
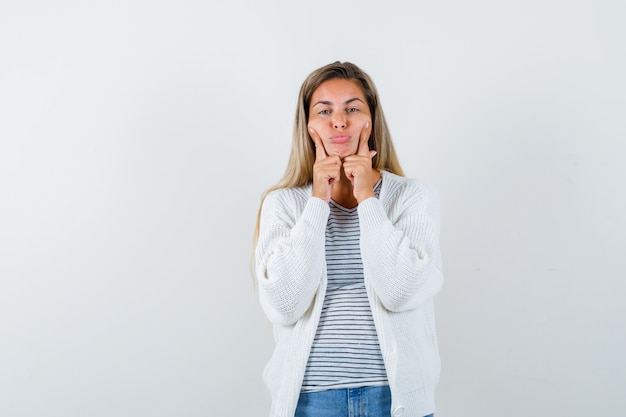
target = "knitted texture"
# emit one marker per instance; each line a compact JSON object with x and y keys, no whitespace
{"x":402,"y":272}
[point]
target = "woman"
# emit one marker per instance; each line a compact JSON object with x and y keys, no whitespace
{"x":347,"y":262}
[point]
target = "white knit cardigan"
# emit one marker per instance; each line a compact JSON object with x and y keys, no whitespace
{"x":402,"y":271}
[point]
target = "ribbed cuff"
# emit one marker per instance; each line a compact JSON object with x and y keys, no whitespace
{"x":371,"y":213}
{"x":315,"y":213}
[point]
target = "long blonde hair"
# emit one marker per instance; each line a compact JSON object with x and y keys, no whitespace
{"x":299,"y":171}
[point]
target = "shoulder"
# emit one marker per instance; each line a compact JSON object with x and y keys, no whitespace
{"x":288,"y":197}
{"x":398,"y":186}
{"x":290,"y":193}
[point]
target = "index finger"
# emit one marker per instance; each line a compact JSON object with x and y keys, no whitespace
{"x":320,"y":152}
{"x":364,"y":149}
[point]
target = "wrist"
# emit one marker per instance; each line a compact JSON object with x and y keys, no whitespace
{"x":363,"y":197}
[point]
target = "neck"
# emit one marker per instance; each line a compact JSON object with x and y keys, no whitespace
{"x":343,"y":191}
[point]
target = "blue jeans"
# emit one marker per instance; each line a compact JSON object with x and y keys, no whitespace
{"x":348,"y":402}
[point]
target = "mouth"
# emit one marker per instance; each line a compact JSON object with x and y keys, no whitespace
{"x":340,"y":139}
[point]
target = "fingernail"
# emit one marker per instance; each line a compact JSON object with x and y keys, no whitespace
{"x":367,"y":124}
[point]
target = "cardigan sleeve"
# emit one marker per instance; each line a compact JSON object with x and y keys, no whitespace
{"x":290,"y":254}
{"x":400,"y":246}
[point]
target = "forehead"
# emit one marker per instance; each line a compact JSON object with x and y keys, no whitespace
{"x":337,"y":90}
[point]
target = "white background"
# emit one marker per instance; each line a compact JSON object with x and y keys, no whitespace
{"x":136,"y":138}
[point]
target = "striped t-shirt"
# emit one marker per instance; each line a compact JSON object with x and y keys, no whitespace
{"x":345,"y":352}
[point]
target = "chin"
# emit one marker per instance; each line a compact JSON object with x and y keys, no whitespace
{"x":343,"y":151}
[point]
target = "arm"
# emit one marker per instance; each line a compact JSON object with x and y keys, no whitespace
{"x":400,"y":251}
{"x":290,"y":255}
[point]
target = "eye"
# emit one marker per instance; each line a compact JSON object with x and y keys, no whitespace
{"x":324,"y":112}
{"x":352,"y":110}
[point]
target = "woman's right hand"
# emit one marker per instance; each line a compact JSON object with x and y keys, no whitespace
{"x":326,"y":170}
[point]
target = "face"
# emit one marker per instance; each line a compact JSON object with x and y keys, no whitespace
{"x":338,"y":113}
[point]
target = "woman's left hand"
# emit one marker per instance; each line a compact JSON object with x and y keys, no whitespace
{"x":358,"y":167}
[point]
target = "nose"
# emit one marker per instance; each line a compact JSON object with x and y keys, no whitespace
{"x":339,"y":122}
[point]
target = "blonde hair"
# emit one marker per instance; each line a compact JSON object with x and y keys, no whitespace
{"x":299,"y":171}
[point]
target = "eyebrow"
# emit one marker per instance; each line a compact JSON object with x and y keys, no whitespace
{"x":328,"y":103}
